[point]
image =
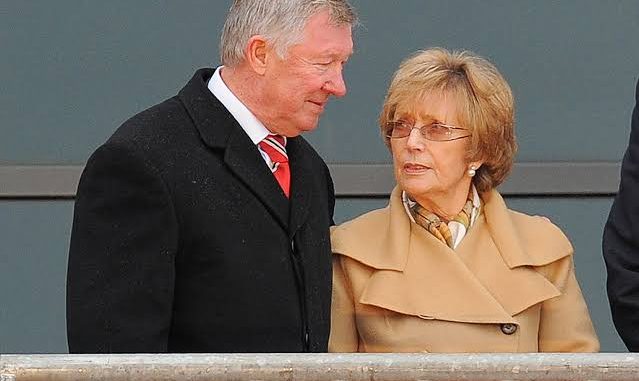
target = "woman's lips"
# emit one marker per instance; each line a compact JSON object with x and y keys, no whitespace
{"x":415,"y":168}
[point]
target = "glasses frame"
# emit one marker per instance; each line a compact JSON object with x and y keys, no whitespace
{"x":391,"y":127}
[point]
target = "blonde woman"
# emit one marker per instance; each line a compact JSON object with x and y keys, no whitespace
{"x":446,"y":266}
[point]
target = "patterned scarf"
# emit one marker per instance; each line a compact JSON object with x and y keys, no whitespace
{"x":440,"y":229}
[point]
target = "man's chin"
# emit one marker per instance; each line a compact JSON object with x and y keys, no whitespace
{"x":307,"y":127}
{"x":294,"y":129}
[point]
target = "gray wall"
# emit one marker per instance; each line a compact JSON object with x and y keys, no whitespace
{"x":72,"y":71}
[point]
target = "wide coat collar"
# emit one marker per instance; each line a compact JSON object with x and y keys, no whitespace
{"x":492,"y":276}
{"x":220,"y":131}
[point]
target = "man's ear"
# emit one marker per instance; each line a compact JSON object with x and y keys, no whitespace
{"x":256,"y":53}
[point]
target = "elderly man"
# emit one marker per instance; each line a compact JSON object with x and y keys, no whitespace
{"x":202,"y":224}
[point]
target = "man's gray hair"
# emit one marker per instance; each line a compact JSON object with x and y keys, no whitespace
{"x":280,"y":21}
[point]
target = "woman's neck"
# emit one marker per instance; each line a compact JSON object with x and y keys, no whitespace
{"x":447,"y":206}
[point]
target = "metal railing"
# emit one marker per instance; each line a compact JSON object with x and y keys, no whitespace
{"x":318,"y":367}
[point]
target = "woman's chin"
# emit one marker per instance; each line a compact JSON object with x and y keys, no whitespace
{"x":415,"y":187}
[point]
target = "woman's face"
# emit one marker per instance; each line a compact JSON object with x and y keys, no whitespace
{"x":432,"y":170}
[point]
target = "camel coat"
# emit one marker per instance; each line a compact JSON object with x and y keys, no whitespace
{"x":509,"y":286}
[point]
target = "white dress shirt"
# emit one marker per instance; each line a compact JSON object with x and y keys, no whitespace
{"x":249,"y":123}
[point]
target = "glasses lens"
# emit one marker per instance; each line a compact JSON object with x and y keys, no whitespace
{"x":399,"y":129}
{"x":437,"y":132}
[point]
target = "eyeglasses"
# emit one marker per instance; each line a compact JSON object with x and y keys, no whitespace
{"x":437,"y":132}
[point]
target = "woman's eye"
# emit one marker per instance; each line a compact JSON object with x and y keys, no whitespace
{"x":436,"y":129}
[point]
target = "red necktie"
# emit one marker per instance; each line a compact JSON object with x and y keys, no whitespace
{"x":275,"y":147}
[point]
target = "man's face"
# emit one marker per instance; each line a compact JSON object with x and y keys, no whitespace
{"x":299,"y":85}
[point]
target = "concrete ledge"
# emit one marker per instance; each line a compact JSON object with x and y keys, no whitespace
{"x":318,"y":367}
{"x":351,"y":180}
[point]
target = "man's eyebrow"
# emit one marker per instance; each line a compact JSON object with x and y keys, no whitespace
{"x":336,"y":54}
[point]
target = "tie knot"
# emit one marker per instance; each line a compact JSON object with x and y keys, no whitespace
{"x":279,"y":139}
{"x":275,"y":147}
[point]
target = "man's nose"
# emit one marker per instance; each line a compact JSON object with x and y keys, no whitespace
{"x":336,"y":85}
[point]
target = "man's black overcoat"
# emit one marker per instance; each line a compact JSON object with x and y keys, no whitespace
{"x":183,"y":240}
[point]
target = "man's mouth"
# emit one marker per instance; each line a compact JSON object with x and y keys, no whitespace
{"x":319,"y":104}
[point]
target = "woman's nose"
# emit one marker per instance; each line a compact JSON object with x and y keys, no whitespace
{"x":415,"y":141}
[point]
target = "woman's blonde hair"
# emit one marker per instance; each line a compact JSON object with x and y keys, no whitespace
{"x":484,"y":103}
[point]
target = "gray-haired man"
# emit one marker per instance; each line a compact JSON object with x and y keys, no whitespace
{"x":202,"y":224}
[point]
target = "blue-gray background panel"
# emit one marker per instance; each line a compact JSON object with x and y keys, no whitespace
{"x":33,"y":256}
{"x":72,"y":71}
{"x":35,"y":236}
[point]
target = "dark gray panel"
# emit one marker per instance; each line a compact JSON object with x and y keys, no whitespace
{"x":44,"y":181}
{"x":350,"y":180}
{"x":600,"y":178}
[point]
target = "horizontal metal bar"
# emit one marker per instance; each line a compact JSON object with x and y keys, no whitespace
{"x":551,"y":178}
{"x":351,"y":180}
{"x":334,"y":366}
{"x":43,"y":181}
{"x":563,"y":178}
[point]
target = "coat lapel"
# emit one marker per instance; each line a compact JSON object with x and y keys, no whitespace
{"x":220,"y":131}
{"x":518,"y":244}
{"x":435,"y":284}
{"x":487,"y":280}
{"x":245,"y":161}
{"x":515,"y":289}
{"x":302,"y":189}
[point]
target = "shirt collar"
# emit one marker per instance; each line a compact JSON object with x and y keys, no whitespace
{"x":247,"y":120}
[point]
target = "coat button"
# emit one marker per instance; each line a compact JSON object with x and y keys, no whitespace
{"x":509,"y":328}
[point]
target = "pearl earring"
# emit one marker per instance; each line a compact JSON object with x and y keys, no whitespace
{"x":472,"y":171}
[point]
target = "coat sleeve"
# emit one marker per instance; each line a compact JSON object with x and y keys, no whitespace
{"x":330,"y":190}
{"x":565,"y":324}
{"x":344,"y":336}
{"x":120,"y":275}
{"x":621,"y":243}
